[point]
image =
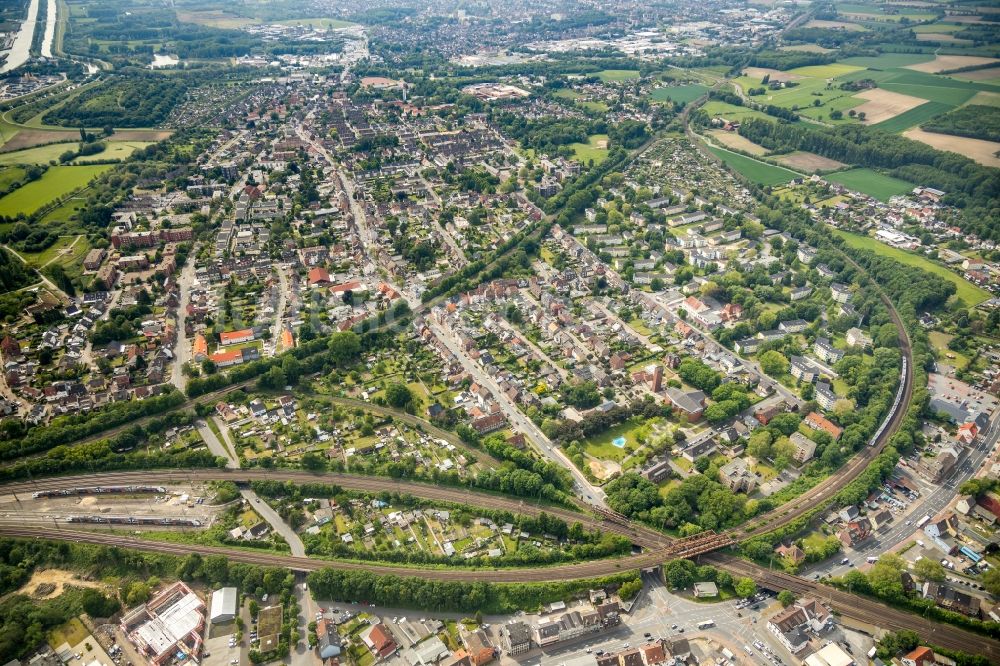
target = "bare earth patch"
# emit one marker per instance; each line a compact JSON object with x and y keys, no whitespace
{"x":737,"y":142}
{"x":775,"y":74}
{"x":604,"y":469}
{"x":809,"y":162}
{"x":943,"y":63}
{"x":940,"y":37}
{"x":985,"y":98}
{"x":141,"y":135}
{"x":27,"y":138}
{"x":52,"y":582}
{"x":882,"y":104}
{"x":988,"y":74}
{"x":817,"y":23}
{"x":979,"y":150}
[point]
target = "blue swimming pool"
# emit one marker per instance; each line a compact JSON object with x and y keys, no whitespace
{"x":619,"y":442}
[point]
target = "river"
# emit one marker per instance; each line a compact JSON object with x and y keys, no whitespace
{"x":50,"y":29}
{"x":19,"y":53}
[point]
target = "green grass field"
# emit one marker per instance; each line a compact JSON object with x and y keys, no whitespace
{"x":57,"y":181}
{"x":758,"y":172}
{"x":888,"y":60}
{"x":914,"y":117}
{"x":967,"y":292}
{"x":611,"y":75}
{"x":684,"y":94}
{"x":11,"y":175}
{"x":584,"y":152}
{"x":830,"y":71}
{"x":731,"y":111}
{"x":871,"y":183}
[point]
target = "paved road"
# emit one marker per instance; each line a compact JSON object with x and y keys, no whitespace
{"x":930,"y":503}
{"x":182,"y":347}
{"x":271,"y":516}
{"x":300,"y":654}
{"x":279,"y":310}
{"x":516,"y":417}
{"x":456,"y":249}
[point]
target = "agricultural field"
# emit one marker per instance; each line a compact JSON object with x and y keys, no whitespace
{"x":737,"y":142}
{"x":969,"y":293}
{"x":758,"y":172}
{"x":944,"y":63}
{"x":717,"y":109}
{"x":595,"y":149}
{"x":214,"y":18}
{"x":882,"y":105}
{"x":115,"y":150}
{"x":684,"y":94}
{"x":616,"y":75}
{"x":984,"y":152}
{"x":871,"y":183}
{"x":914,"y":116}
{"x":57,"y":182}
{"x":809,"y":162}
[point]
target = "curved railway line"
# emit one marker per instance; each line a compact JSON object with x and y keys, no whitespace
{"x":657,"y":547}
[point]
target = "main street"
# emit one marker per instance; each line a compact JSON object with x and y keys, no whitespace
{"x":182,"y":345}
{"x":516,"y":417}
{"x":930,"y":503}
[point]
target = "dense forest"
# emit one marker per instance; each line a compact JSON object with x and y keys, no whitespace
{"x":974,"y":121}
{"x":140,"y":100}
{"x":970,"y":186}
{"x":13,"y":273}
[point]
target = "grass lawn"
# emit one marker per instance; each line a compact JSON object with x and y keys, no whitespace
{"x":65,"y":211}
{"x":967,"y":292}
{"x":610,"y":75}
{"x":115,"y":150}
{"x":940,"y":342}
{"x":56,"y":254}
{"x":759,"y":172}
{"x":600,"y":446}
{"x":73,"y":632}
{"x":871,"y":183}
{"x":685,"y":94}
{"x":56,"y":182}
{"x":11,"y":175}
{"x":592,"y":150}
{"x":37,"y":155}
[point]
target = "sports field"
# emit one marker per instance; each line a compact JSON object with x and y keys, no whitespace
{"x":57,"y":182}
{"x":595,"y":149}
{"x":967,"y":292}
{"x":871,"y":183}
{"x":758,"y":172}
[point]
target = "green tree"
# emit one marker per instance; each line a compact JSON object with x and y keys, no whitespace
{"x":745,"y":587}
{"x":786,"y":597}
{"x":774,"y":363}
{"x":398,"y":395}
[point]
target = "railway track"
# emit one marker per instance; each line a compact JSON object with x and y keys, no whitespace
{"x":863,"y":609}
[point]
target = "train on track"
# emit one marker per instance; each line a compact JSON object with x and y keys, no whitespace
{"x":895,"y":405}
{"x":132,"y":520}
{"x":99,"y":490}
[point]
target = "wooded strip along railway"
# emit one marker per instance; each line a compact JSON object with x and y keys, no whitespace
{"x":658,"y":547}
